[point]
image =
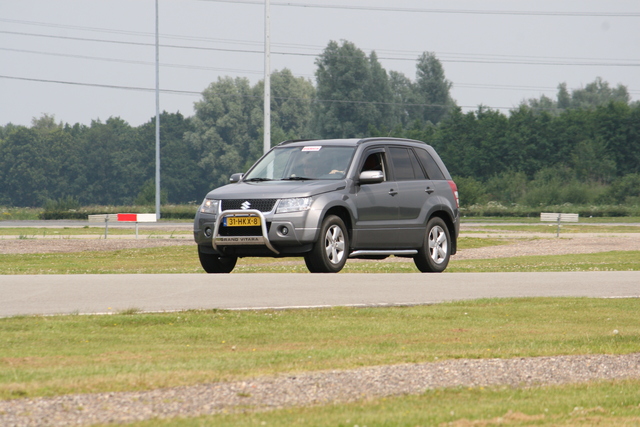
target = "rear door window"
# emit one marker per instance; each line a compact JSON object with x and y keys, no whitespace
{"x":405,"y":165}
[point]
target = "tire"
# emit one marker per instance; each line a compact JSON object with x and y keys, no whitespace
{"x":331,"y":250}
{"x":433,"y":256}
{"x":213,"y":263}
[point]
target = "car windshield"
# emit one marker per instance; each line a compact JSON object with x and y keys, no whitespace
{"x":302,"y":163}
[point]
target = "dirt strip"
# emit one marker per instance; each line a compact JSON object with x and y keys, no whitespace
{"x":314,"y":388}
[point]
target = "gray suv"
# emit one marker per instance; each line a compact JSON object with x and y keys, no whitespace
{"x":330,"y":200}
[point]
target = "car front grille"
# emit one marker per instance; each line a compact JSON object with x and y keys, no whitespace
{"x":263,"y":205}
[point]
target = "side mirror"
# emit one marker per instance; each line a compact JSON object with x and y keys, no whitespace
{"x":371,"y":177}
{"x":235,"y":178}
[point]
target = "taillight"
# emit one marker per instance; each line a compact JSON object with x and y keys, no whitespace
{"x":454,"y":190}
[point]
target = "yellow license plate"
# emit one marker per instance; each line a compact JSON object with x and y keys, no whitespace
{"x":242,"y":221}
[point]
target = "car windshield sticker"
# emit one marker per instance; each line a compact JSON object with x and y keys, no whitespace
{"x":312,"y":148}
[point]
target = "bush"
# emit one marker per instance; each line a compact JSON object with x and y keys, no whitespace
{"x":471,"y":191}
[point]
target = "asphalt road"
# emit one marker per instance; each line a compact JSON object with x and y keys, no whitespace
{"x":64,"y":294}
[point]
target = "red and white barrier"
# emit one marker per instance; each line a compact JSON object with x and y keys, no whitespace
{"x":127,"y":217}
{"x":122,"y":217}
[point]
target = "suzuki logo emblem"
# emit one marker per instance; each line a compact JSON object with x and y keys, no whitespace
{"x":246,"y":205}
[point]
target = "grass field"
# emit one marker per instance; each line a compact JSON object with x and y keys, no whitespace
{"x":49,"y":356}
{"x":134,"y":351}
{"x":564,"y":228}
{"x":183,"y":259}
{"x":62,"y":232}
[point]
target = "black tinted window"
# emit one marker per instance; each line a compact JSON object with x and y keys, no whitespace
{"x":402,"y":168}
{"x":433,"y":171}
{"x":417,"y":169}
{"x":405,"y":164}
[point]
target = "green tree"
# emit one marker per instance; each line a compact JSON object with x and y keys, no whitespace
{"x":39,"y":163}
{"x":353,"y":93}
{"x":45,"y":123}
{"x":402,"y":98}
{"x":507,"y":187}
{"x":113,"y":165}
{"x":594,"y":94}
{"x":226,"y":130}
{"x":291,"y":99}
{"x":24,"y":181}
{"x":625,"y":189}
{"x":591,"y":162}
{"x":474,"y":144}
{"x":432,"y":90}
{"x":180,"y":177}
{"x":598,"y":93}
{"x":617,"y":126}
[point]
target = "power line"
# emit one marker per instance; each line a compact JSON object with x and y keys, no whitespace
{"x":438,"y":11}
{"x":103,"y":86}
{"x":443,"y":56}
{"x":127,"y":61}
{"x":541,"y":61}
{"x":224,"y":95}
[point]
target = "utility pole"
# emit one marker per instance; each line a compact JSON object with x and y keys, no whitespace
{"x":157,"y":115}
{"x":267,"y":77}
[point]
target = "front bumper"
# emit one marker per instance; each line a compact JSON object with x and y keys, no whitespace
{"x":262,"y":239}
{"x":278,"y":234}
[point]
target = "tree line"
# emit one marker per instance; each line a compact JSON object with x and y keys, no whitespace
{"x":583,"y":147}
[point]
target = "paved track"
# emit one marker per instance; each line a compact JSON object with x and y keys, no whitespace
{"x":52,"y":294}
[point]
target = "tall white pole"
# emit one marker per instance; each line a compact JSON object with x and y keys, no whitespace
{"x":157,"y":115}
{"x":267,"y":77}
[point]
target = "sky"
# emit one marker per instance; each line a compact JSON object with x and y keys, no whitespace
{"x":85,"y":60}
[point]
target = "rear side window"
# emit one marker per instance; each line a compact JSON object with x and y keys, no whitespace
{"x":405,"y":164}
{"x":430,"y":165}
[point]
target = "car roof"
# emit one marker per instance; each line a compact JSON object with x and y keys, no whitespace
{"x":346,"y":141}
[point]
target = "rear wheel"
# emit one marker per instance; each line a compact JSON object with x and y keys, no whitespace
{"x":213,"y":263}
{"x":433,"y":256}
{"x":330,"y":252}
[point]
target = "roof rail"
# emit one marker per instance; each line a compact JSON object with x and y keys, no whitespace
{"x":384,"y":138}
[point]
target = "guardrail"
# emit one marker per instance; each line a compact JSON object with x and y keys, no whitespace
{"x":121,"y":217}
{"x":558,"y":217}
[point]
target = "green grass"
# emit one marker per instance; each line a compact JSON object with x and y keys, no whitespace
{"x":606,"y":403}
{"x":45,"y":356}
{"x":536,"y":219}
{"x":553,"y":228}
{"x":48,"y":356}
{"x":174,"y":259}
{"x":86,"y":231}
{"x":183,"y":259}
{"x":602,"y":261}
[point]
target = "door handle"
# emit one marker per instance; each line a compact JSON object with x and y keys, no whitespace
{"x":429,"y":190}
{"x":392,"y":192}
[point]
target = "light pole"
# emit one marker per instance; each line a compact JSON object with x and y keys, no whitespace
{"x":267,"y":77}
{"x":157,"y":116}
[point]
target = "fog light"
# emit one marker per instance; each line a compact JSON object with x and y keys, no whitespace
{"x":208,"y":232}
{"x":284,"y":230}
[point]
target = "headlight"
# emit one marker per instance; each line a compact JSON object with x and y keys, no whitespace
{"x":209,"y":206}
{"x":294,"y":205}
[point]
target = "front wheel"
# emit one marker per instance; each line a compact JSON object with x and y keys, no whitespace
{"x":213,"y":263}
{"x":433,"y":256}
{"x":330,"y":252}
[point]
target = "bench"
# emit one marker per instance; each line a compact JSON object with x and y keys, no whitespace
{"x":558,"y":217}
{"x":105,"y":218}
